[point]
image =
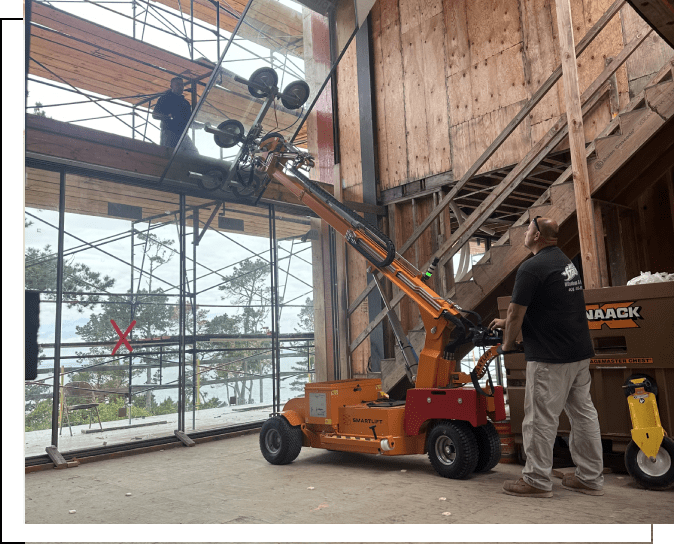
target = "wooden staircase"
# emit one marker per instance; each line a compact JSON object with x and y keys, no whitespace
{"x":636,"y":125}
{"x":624,"y":136}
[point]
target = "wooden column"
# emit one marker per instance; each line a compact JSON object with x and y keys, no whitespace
{"x":601,"y":246}
{"x":615,"y":247}
{"x":323,"y":328}
{"x":574,"y":114}
{"x":669,"y":176}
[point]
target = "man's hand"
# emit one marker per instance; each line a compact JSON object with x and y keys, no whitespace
{"x":497,"y":324}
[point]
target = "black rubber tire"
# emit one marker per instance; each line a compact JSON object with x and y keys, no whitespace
{"x":635,"y":459}
{"x":452,"y":449}
{"x":280,"y":442}
{"x":488,"y":445}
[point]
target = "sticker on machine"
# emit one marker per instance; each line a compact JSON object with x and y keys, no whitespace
{"x":317,"y":405}
{"x":626,"y":361}
{"x":615,"y":315}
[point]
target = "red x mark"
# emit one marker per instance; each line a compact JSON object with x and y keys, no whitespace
{"x":122,"y":337}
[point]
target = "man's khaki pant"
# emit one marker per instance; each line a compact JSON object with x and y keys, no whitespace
{"x":551,"y":388}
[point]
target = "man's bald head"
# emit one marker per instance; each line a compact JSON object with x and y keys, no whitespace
{"x":549,"y":229}
{"x":542,"y":232}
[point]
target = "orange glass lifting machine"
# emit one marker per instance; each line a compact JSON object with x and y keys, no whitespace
{"x":445,"y":414}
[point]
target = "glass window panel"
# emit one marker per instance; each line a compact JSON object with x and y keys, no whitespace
{"x":118,"y":268}
{"x":274,"y":72}
{"x":231,"y":375}
{"x":41,"y":243}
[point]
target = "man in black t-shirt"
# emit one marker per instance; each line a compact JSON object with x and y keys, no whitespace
{"x":174,"y":111}
{"x":548,"y":306}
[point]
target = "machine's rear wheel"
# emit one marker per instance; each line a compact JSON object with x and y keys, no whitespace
{"x":280,"y":442}
{"x":658,"y":475}
{"x":488,"y":445}
{"x":452,"y":449}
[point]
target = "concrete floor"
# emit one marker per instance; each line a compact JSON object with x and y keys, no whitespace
{"x":228,"y":481}
{"x":119,"y":431}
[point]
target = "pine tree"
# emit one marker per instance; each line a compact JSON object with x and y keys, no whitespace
{"x":248,"y":286}
{"x":306,"y":369}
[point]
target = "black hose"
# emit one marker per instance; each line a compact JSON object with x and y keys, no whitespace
{"x":355,"y":220}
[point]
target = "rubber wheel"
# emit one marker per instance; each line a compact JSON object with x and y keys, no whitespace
{"x":280,"y":442}
{"x":658,"y":475}
{"x":488,"y":445}
{"x":452,"y":449}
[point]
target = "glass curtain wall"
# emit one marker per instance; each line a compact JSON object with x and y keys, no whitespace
{"x":134,"y":363}
{"x":41,"y":256}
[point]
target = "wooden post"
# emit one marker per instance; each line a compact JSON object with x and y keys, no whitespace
{"x":601,"y":246}
{"x":669,"y":176}
{"x":574,"y":115}
{"x":615,"y":247}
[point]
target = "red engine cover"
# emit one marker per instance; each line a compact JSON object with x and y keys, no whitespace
{"x":462,"y":404}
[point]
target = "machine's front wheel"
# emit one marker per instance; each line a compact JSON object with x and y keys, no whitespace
{"x":452,"y":449}
{"x":652,"y":475}
{"x":489,"y":447}
{"x":280,"y":442}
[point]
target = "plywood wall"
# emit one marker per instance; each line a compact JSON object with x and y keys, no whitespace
{"x":351,"y":179}
{"x":449,"y":75}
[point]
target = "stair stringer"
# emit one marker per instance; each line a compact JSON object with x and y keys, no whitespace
{"x":629,"y":131}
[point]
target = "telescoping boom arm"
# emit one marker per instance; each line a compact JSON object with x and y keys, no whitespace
{"x":278,"y":159}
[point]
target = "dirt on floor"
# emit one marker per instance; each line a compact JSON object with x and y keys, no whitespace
{"x":228,"y":481}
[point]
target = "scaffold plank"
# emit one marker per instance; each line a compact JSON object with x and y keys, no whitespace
{"x":73,"y":51}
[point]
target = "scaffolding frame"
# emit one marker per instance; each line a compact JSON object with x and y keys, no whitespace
{"x":165,"y":25}
{"x":187,"y":344}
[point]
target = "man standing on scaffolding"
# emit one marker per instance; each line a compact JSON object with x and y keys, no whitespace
{"x":174,"y":112}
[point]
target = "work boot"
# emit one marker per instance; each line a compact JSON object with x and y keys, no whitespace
{"x":569,"y":481}
{"x":520,"y":488}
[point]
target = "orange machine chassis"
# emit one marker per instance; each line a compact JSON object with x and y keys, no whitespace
{"x":356,"y":415}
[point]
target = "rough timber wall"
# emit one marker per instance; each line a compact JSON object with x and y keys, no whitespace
{"x":451,"y":74}
{"x":351,"y":178}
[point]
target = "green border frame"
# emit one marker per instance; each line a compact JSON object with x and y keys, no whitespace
{"x":13,"y":528}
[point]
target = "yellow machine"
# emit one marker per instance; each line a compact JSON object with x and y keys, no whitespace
{"x":649,"y":455}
